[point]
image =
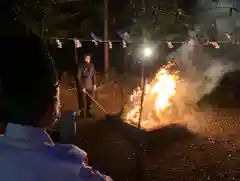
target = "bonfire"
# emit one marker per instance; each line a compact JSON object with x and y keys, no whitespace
{"x":158,"y":103}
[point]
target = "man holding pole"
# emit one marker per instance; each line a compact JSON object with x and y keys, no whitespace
{"x":87,"y":80}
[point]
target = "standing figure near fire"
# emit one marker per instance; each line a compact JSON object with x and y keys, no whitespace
{"x":87,"y":80}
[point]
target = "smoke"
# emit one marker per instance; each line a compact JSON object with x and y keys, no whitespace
{"x":200,"y":70}
{"x":213,"y":74}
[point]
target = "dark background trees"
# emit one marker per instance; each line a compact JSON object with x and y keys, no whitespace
{"x":77,"y":18}
{"x":61,"y":19}
{"x":152,"y":19}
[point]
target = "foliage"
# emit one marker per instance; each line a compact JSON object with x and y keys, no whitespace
{"x":156,"y":19}
{"x":50,"y":19}
{"x":152,"y":18}
{"x":34,"y":13}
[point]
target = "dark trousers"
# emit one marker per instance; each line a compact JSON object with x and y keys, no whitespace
{"x":87,"y":101}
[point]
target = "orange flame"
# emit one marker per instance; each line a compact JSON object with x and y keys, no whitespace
{"x":159,"y":91}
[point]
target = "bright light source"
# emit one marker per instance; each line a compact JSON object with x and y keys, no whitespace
{"x":147,"y":52}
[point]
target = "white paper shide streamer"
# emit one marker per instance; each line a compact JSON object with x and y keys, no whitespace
{"x":124,"y":45}
{"x":110,"y":44}
{"x":77,"y":43}
{"x":228,"y":36}
{"x":59,"y":43}
{"x":95,"y":42}
{"x":170,"y":45}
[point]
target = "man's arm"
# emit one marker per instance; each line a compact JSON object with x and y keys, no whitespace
{"x":87,"y":173}
{"x":78,"y":158}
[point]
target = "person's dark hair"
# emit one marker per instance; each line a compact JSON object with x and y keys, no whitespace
{"x":28,"y":79}
{"x":87,"y":55}
{"x":27,"y":75}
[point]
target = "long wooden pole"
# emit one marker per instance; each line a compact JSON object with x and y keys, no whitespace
{"x":143,"y":81}
{"x":76,"y":79}
{"x":106,"y":53}
{"x":139,"y":146}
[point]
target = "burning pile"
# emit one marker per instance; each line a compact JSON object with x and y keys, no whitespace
{"x":157,"y":104}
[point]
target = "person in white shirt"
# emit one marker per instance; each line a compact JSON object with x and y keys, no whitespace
{"x":29,"y":103}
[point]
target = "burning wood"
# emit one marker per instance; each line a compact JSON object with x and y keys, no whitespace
{"x":158,"y":98}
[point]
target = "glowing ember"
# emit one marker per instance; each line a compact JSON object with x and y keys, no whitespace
{"x":157,"y":97}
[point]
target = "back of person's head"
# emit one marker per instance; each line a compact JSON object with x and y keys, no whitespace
{"x":28,"y":83}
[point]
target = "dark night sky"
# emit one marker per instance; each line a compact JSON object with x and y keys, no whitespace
{"x":116,"y":7}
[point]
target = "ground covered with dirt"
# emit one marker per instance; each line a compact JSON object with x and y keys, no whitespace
{"x":206,"y":149}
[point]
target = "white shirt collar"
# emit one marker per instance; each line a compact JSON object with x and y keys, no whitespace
{"x":19,"y":135}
